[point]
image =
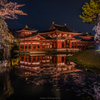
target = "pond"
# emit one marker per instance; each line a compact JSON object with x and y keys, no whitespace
{"x":52,"y":77}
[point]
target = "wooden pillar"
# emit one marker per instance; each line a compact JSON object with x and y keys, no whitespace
{"x":27,"y":58}
{"x":70,"y":45}
{"x":24,"y":46}
{"x":19,"y":47}
{"x":45,"y":47}
{"x":36,"y":47}
{"x":28,"y":47}
{"x":49,"y":48}
{"x":19,"y":57}
{"x":31,"y":59}
{"x":64,"y":43}
{"x":40,"y":47}
{"x":74,"y":44}
{"x":36,"y":58}
{"x":31,"y":46}
{"x":54,"y":45}
{"x":24,"y":58}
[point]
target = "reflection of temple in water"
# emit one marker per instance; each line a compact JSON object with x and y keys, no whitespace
{"x":32,"y":65}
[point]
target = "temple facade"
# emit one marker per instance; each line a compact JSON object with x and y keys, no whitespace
{"x":56,"y":38}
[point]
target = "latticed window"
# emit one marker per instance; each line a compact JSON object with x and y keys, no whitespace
{"x":34,"y":47}
{"x":38,"y":47}
{"x":22,"y":47}
{"x":25,"y":47}
{"x":47,"y":46}
{"x":75,"y":44}
{"x":29,"y":58}
{"x":29,"y":47}
{"x":25,"y":58}
{"x":22,"y":58}
{"x":33,"y":58}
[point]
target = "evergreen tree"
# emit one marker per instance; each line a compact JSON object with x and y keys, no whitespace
{"x":91,"y":12}
{"x":91,"y":15}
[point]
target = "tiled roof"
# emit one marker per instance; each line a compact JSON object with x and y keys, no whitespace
{"x":30,"y":35}
{"x":87,"y":35}
{"x":92,"y":39}
{"x":64,"y":28}
{"x":47,"y":31}
{"x":47,"y":37}
{"x":60,"y":28}
{"x":29,"y":29}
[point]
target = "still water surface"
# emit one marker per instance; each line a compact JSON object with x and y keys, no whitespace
{"x":53,"y":77}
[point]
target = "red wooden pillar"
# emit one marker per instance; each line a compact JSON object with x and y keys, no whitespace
{"x":36,"y":58}
{"x":19,"y":47}
{"x":54,"y":45}
{"x":24,"y":46}
{"x":49,"y":48}
{"x":64,"y":43}
{"x":28,"y":47}
{"x":70,"y":44}
{"x":45,"y":47}
{"x":19,"y":57}
{"x":74,"y":44}
{"x":31,"y":46}
{"x":64,"y":59}
{"x":36,"y":47}
{"x":24,"y":58}
{"x":41,"y":47}
{"x":27,"y":58}
{"x":31,"y":59}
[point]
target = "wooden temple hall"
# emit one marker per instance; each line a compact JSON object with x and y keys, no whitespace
{"x":56,"y":38}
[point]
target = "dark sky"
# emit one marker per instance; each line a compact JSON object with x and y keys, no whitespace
{"x":41,"y":14}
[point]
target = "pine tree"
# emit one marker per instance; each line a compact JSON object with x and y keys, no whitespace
{"x":91,"y":15}
{"x":91,"y":12}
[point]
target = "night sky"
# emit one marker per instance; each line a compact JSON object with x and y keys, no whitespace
{"x":41,"y":14}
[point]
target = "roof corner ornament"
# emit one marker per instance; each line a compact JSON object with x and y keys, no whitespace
{"x":65,"y":24}
{"x":87,"y":33}
{"x":26,"y":26}
{"x":52,"y":22}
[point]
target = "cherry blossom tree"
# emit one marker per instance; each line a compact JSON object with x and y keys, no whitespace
{"x":97,"y":30}
{"x":8,"y":10}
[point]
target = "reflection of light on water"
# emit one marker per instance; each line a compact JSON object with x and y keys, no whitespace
{"x":56,"y":92}
{"x":96,"y":91}
{"x":55,"y":72}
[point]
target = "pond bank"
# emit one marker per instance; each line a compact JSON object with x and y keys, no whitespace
{"x":89,"y":59}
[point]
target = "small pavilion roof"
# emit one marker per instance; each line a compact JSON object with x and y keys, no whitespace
{"x":27,"y":29}
{"x":87,"y":34}
{"x":92,"y":39}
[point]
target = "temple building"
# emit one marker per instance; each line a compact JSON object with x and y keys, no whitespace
{"x":56,"y":38}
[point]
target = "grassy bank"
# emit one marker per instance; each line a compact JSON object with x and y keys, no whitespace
{"x":89,"y":59}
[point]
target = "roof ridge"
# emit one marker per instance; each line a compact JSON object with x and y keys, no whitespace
{"x":59,"y":25}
